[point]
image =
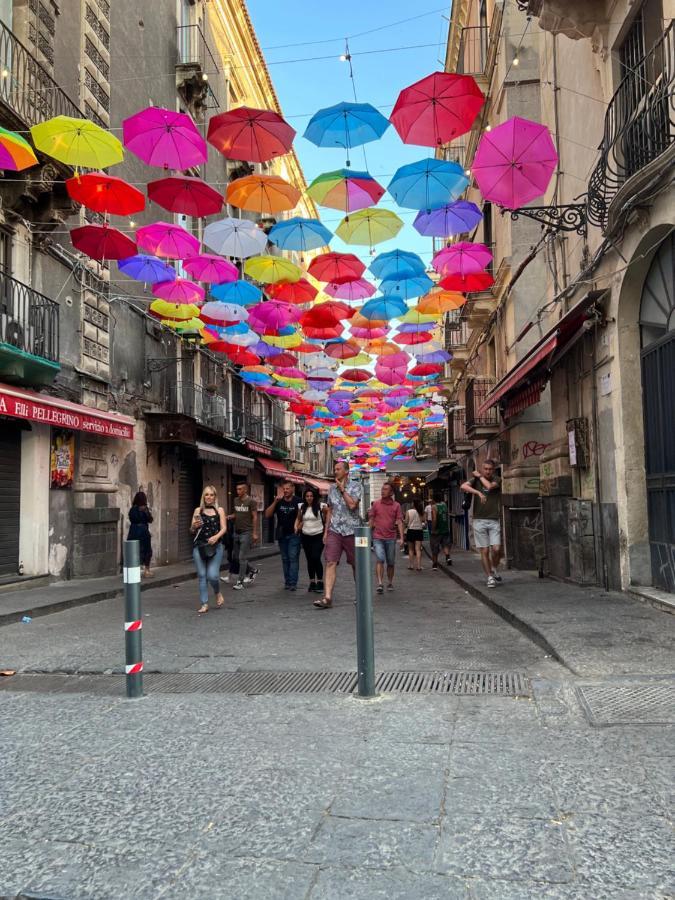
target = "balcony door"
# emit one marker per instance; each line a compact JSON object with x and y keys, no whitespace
{"x":657,"y":332}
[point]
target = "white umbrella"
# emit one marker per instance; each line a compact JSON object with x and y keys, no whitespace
{"x":239,"y":238}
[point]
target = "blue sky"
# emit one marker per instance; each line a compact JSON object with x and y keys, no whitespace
{"x":307,"y":85}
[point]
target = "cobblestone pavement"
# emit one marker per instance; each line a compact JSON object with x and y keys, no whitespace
{"x":311,"y":797}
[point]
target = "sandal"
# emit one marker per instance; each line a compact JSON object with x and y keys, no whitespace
{"x":203,"y":609}
{"x":220,"y":603}
{"x":323,"y":603}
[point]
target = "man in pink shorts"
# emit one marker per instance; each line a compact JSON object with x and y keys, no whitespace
{"x":342,"y":519}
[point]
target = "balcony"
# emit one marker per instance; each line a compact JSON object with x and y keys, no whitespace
{"x":480,"y":425}
{"x":244,"y":426}
{"x":457,"y":335}
{"x":29,"y":334}
{"x":195,"y":65}
{"x":192,"y":400}
{"x":432,"y":443}
{"x":473,"y":50}
{"x":639,"y":133}
{"x":458,"y":441}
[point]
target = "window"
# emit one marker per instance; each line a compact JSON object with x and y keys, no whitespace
{"x":5,"y":252}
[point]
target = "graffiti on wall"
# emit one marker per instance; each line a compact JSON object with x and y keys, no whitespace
{"x":528,"y":450}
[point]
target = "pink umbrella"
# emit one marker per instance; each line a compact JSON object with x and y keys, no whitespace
{"x":393,"y":360}
{"x":272,"y":314}
{"x":286,"y":393}
{"x":162,"y":137}
{"x":368,"y":333}
{"x":390,"y":376}
{"x":167,"y":240}
{"x":462,"y":258}
{"x":514,"y":162}
{"x":178,"y":291}
{"x":211,"y":269}
{"x":291,"y":372}
{"x":351,"y":290}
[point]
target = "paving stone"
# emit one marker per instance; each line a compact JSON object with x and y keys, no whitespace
{"x":387,"y":884}
{"x":521,"y":890}
{"x":522,"y":796}
{"x":391,"y":795}
{"x":215,"y":876}
{"x":374,"y":843}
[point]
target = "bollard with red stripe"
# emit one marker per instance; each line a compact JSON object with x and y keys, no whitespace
{"x":133,"y":619}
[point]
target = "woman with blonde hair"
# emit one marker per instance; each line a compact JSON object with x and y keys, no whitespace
{"x":208,"y":526}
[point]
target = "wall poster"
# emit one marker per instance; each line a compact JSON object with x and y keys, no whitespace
{"x":62,"y":459}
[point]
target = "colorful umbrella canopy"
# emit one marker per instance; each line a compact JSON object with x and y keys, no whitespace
{"x":473,"y":281}
{"x":176,"y":311}
{"x":242,"y":293}
{"x":262,"y":194}
{"x":300,"y":291}
{"x":407,"y":288}
{"x":178,"y":291}
{"x":514,"y":162}
{"x":359,"y":289}
{"x":440,"y":302}
{"x":165,"y":138}
{"x":269,"y":269}
{"x":16,"y":154}
{"x":167,"y":240}
{"x":384,"y":308}
{"x":427,"y":184}
{"x":463,"y":258}
{"x":328,"y":313}
{"x":300,"y":234}
{"x":346,"y":125}
{"x":356,"y":375}
{"x":437,"y":109}
{"x":346,"y":190}
{"x":413,"y":337}
{"x":239,"y":238}
{"x":336,"y":267}
{"x":254,"y":135}
{"x":102,"y":242}
{"x":273,"y":315}
{"x":240,"y":356}
{"x":397,"y":264}
{"x":185,"y":194}
{"x":369,"y":227}
{"x":219,"y":313}
{"x":415,"y":317}
{"x":105,"y":194}
{"x":77,"y":142}
{"x":342,"y":349}
{"x":211,"y":269}
{"x":391,"y":376}
{"x":445,"y":221}
{"x":146,"y":268}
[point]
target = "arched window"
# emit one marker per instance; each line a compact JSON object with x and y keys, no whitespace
{"x":657,"y":309}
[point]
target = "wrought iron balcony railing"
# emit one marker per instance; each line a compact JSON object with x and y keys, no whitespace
{"x":457,"y":428}
{"x":193,"y":400}
{"x":639,"y":126}
{"x":457,"y":331}
{"x":194,"y":50}
{"x":245,"y":426}
{"x":26,"y":88}
{"x":473,"y":50}
{"x":433,"y":442}
{"x":477,"y":391}
{"x":29,"y":321}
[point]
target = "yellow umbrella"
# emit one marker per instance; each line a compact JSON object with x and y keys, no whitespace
{"x":415,"y":317}
{"x":369,"y":227}
{"x":362,"y":359}
{"x":270,"y":269}
{"x":77,"y":142}
{"x":177,"y":312}
{"x":286,"y":341}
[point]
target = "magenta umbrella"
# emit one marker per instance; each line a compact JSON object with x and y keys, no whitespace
{"x":351,"y":290}
{"x":167,"y":240}
{"x":162,"y":137}
{"x":211,"y":269}
{"x":462,"y":259}
{"x":514,"y":162}
{"x":393,"y":361}
{"x":391,"y":376}
{"x":178,"y":291}
{"x":272,"y":314}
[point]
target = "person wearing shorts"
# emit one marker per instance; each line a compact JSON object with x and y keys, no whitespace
{"x":414,"y":523}
{"x":342,"y":520}
{"x":386,"y":520}
{"x":486,"y":487}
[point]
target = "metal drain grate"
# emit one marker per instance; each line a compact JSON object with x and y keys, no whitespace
{"x":636,"y":703}
{"x":504,"y":684}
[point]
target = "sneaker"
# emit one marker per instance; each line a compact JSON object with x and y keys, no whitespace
{"x":225,"y":578}
{"x":249,"y":579}
{"x":448,"y":561}
{"x":497,"y":578}
{"x":252,"y":575}
{"x":319,"y":587}
{"x":434,"y":568}
{"x":239,"y":586}
{"x":491,"y":582}
{"x":390,"y":587}
{"x":380,"y":589}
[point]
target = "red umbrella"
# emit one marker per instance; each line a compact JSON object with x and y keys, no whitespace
{"x":300,"y":408}
{"x":473,"y":281}
{"x":342,"y":350}
{"x":105,"y":194}
{"x":427,"y":369}
{"x":336,"y":267}
{"x":326,"y":314}
{"x":356,"y":375}
{"x":102,"y":242}
{"x":413,"y":337}
{"x":187,"y":195}
{"x":306,"y":347}
{"x":292,"y":292}
{"x":240,"y":356}
{"x":436,"y":109}
{"x":282,"y":359}
{"x":323,"y":332}
{"x":254,"y":135}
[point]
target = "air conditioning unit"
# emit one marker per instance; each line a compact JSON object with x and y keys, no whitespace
{"x":15,"y":333}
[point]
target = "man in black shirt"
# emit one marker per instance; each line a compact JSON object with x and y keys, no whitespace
{"x":285,"y":508}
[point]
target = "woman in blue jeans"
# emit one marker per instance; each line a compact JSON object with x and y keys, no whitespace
{"x":208,"y":526}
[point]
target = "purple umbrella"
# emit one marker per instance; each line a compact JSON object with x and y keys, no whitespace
{"x":455,"y":218}
{"x":146,"y":268}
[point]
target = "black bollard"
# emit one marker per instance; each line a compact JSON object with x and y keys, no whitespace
{"x":365,"y":649}
{"x":133,"y":619}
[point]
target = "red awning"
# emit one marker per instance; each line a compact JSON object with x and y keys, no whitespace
{"x":48,"y":410}
{"x":517,"y":375}
{"x":277,"y":469}
{"x":322,"y":486}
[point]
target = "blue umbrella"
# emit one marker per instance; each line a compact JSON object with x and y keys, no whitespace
{"x":446,"y":221}
{"x":407,"y":288}
{"x":397,"y":264}
{"x":147,"y":268}
{"x":241,"y":292}
{"x":300,"y":234}
{"x":427,"y":184}
{"x":346,"y":125}
{"x":384,"y":308}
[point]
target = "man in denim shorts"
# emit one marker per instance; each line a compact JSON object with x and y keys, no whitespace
{"x":487,"y":515}
{"x":342,"y":520}
{"x":386,"y":520}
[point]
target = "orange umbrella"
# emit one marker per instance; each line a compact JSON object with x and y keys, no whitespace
{"x":439,"y":302}
{"x":262,"y":194}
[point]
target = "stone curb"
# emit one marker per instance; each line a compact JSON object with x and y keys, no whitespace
{"x":60,"y":605}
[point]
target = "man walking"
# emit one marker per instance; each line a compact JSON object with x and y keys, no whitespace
{"x":386,"y":520}
{"x":439,"y":531}
{"x":245,"y":518}
{"x":486,"y":487}
{"x":285,"y":508}
{"x":342,"y":519}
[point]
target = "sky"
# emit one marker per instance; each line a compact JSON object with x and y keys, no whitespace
{"x":318,"y":29}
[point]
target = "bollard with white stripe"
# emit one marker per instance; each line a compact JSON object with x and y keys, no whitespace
{"x":133,"y":619}
{"x":365,"y":651}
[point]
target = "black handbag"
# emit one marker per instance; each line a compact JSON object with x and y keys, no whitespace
{"x":206,"y":550}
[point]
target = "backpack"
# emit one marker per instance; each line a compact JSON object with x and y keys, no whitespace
{"x":441,"y":518}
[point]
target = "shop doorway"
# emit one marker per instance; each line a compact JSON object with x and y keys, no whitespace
{"x":189,"y":493}
{"x":10,"y":497}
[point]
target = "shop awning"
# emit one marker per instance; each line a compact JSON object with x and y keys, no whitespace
{"x":211,"y":453}
{"x":34,"y":407}
{"x":277,"y":469}
{"x":523,"y":385}
{"x":321,"y":486}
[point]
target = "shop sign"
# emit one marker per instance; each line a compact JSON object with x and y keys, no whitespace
{"x":260,"y":449}
{"x":62,"y":459}
{"x":63,"y":417}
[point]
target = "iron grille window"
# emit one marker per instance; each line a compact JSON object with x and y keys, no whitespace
{"x":632,"y":59}
{"x":92,"y":114}
{"x":97,"y":90}
{"x":97,"y":27}
{"x":47,"y":19}
{"x":104,"y":6}
{"x":96,"y":58}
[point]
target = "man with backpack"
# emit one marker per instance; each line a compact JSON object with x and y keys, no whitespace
{"x":439,"y":533}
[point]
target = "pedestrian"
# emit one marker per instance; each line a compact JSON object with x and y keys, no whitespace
{"x":208,"y":526}
{"x":386,"y":521}
{"x":414,"y":523}
{"x":342,"y":519}
{"x":245,"y":518}
{"x":439,"y":532}
{"x":285,"y":507}
{"x":428,"y":513}
{"x":486,"y":486}
{"x":309,"y":525}
{"x":140,"y":519}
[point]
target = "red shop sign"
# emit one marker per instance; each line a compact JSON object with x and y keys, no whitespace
{"x":63,"y":415}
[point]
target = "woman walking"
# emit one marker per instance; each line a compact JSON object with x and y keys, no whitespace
{"x":414,"y":523}
{"x":208,"y":526}
{"x":140,"y":518}
{"x":309,"y":525}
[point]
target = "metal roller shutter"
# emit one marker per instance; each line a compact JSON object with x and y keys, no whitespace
{"x":10,"y":497}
